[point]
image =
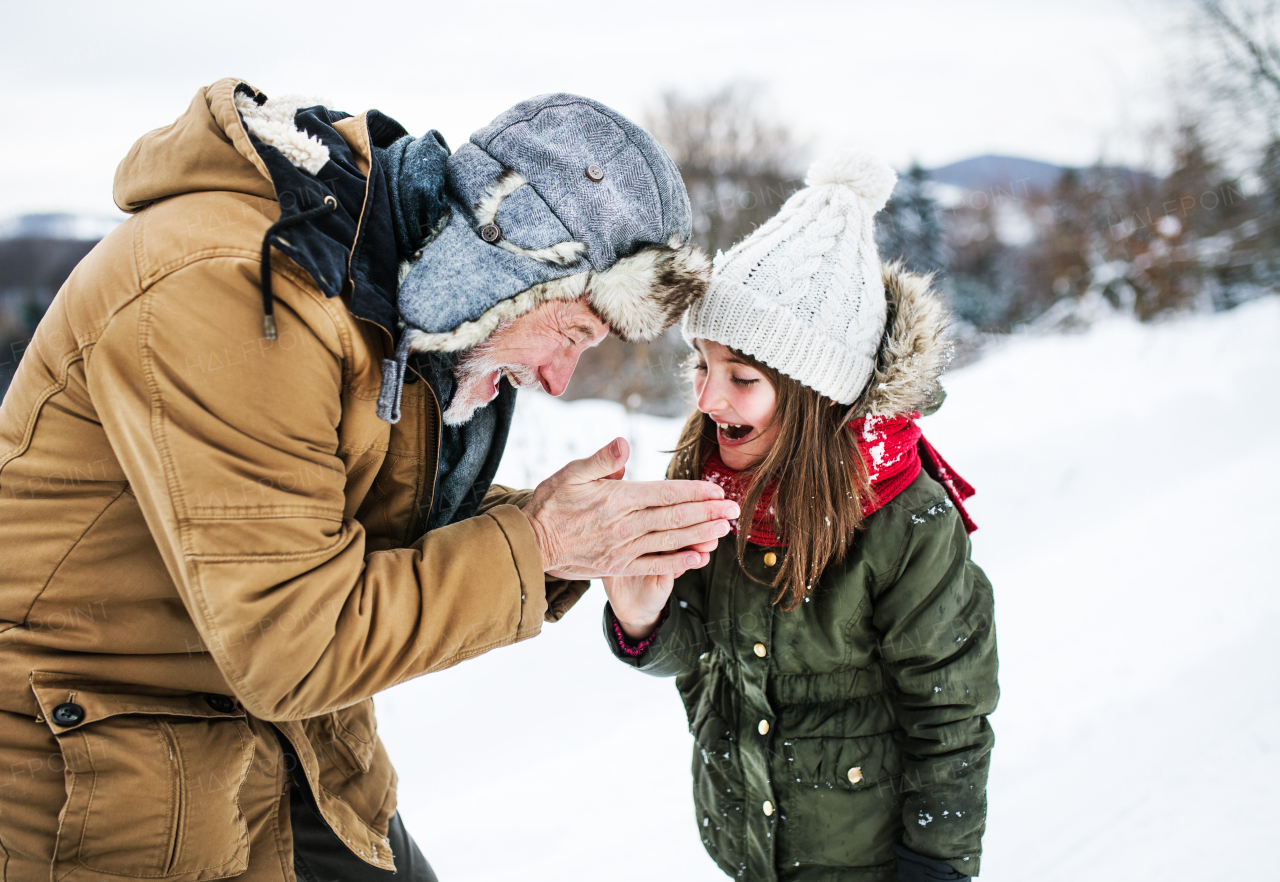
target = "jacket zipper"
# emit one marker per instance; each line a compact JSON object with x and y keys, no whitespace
{"x":417,"y":516}
{"x":420,"y":515}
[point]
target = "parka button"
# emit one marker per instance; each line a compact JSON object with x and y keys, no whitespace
{"x":760,"y":650}
{"x":763,"y":727}
{"x":595,"y":173}
{"x":768,"y":809}
{"x":221,"y":703}
{"x":490,"y":233}
{"x":855,"y":775}
{"x":68,"y":714}
{"x":770,"y":558}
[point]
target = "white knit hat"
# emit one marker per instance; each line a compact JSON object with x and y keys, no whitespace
{"x":803,"y":293}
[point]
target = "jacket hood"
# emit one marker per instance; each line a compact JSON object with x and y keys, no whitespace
{"x":914,"y":351}
{"x":206,"y":148}
{"x":316,"y":164}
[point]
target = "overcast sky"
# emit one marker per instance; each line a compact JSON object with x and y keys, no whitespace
{"x":934,"y":80}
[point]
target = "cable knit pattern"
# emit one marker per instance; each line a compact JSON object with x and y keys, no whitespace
{"x":804,"y":292}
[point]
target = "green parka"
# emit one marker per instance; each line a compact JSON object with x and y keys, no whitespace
{"x":825,"y":734}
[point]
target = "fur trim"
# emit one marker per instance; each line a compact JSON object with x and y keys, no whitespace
{"x":639,"y":296}
{"x":473,"y":333}
{"x":272,"y":122}
{"x":486,"y":212}
{"x":644,"y":294}
{"x":915,"y":350}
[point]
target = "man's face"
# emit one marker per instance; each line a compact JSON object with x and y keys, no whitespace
{"x":541,"y":347}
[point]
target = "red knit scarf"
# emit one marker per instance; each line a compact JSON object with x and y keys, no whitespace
{"x":893,"y":449}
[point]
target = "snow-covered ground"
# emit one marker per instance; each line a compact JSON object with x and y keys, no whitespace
{"x":1129,"y":504}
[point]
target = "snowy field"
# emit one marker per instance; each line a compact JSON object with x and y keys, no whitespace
{"x":1129,"y":505}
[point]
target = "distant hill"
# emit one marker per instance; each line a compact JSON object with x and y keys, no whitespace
{"x":1016,"y":175}
{"x":32,"y":269}
{"x":39,"y":266}
{"x":69,"y":227}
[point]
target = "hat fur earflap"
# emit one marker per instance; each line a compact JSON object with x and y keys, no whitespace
{"x":640,"y":296}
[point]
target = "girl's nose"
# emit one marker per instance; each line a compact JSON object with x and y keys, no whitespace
{"x":710,"y":398}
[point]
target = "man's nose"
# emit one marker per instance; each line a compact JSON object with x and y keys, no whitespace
{"x":555,"y":375}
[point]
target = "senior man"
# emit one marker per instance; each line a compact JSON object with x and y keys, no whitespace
{"x":245,"y":471}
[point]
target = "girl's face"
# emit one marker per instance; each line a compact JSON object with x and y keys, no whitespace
{"x":740,"y":400}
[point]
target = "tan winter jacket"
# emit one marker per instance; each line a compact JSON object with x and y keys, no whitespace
{"x":205,"y":540}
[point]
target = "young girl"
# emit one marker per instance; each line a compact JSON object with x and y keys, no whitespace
{"x":838,"y":660}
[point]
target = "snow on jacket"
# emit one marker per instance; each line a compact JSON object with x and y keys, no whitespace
{"x":211,"y":540}
{"x":824,"y":735}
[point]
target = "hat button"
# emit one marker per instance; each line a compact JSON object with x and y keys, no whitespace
{"x":490,"y":233}
{"x":595,"y":173}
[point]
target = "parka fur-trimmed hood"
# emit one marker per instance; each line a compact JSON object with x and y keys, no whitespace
{"x":914,"y":350}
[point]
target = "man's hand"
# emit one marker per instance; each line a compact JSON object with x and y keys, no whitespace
{"x":589,"y":526}
{"x":637,"y":602}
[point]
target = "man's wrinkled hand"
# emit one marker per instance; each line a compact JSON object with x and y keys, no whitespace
{"x":588,"y":524}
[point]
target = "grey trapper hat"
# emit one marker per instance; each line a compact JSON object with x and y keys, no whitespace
{"x":558,"y":198}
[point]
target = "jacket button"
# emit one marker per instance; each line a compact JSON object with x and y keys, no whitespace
{"x":763,"y":727}
{"x":770,"y":559}
{"x":221,"y":703}
{"x":595,"y":173}
{"x":760,"y":650}
{"x":768,"y":809}
{"x":855,"y":775}
{"x":490,"y":233}
{"x":68,"y":714}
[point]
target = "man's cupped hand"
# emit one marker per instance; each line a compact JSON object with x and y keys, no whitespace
{"x":590,"y":524}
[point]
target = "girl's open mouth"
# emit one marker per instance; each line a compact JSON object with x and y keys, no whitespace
{"x":731,"y":434}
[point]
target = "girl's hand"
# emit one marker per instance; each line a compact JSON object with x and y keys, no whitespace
{"x":637,"y":601}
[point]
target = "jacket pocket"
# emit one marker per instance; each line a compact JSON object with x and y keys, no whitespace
{"x":152,"y":781}
{"x":843,"y":763}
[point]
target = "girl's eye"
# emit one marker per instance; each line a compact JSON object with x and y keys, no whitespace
{"x":743,"y":381}
{"x":700,"y":366}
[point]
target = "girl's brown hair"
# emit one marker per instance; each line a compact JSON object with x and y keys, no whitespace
{"x":822,"y":483}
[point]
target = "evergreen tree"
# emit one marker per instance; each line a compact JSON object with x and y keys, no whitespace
{"x":910,"y":227}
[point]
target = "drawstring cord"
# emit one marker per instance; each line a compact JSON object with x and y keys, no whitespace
{"x":393,"y":373}
{"x":268,"y":300}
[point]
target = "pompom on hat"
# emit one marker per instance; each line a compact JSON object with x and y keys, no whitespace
{"x":804,"y":292}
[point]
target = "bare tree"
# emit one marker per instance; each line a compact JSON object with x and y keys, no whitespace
{"x":1242,"y":66}
{"x":738,"y":165}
